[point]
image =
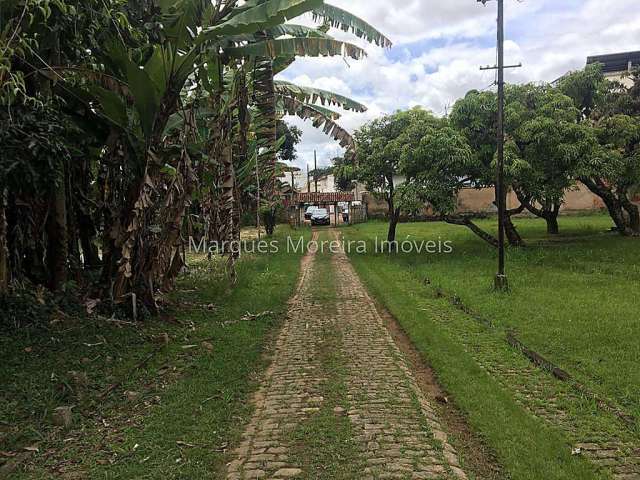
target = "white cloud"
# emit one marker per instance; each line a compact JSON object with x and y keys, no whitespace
{"x":439,"y":47}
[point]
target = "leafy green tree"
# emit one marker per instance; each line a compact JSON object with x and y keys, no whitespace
{"x":546,"y":145}
{"x":611,"y":171}
{"x":378,"y":162}
{"x":412,"y":159}
{"x":344,"y":172}
{"x":291,"y":136}
{"x":476,"y":117}
{"x":436,"y":160}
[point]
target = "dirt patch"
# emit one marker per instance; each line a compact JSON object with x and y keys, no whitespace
{"x":478,"y":457}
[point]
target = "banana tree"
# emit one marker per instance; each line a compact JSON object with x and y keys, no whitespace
{"x":302,"y":102}
{"x":135,"y":242}
{"x":238,"y":49}
{"x":271,"y":54}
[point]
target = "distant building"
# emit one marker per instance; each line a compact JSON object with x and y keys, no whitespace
{"x":617,"y":66}
{"x":326,"y":184}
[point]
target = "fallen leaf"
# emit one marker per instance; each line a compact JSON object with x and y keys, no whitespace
{"x":91,"y":305}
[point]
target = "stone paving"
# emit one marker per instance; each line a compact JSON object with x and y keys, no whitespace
{"x":396,"y":430}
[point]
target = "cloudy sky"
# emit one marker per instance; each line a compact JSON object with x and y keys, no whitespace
{"x":440,"y":44}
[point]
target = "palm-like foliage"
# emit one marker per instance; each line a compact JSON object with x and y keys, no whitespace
{"x":186,"y":109}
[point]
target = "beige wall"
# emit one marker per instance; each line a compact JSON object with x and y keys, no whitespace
{"x":471,"y":200}
{"x":622,"y":77}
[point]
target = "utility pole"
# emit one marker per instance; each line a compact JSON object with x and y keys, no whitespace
{"x":308,"y":180}
{"x":315,"y":169}
{"x":501,"y":282}
{"x":293,"y":196}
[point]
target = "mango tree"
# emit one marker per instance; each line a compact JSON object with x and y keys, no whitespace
{"x":475,"y":116}
{"x":545,"y":146}
{"x":611,"y":171}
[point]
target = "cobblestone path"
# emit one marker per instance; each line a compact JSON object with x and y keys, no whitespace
{"x":396,"y":433}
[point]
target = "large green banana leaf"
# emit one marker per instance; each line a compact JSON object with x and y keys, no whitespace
{"x":261,"y":17}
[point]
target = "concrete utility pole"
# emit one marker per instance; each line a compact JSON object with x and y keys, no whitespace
{"x":308,"y":180}
{"x":315,"y":169}
{"x":501,"y":281}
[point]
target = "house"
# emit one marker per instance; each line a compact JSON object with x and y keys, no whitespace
{"x":617,"y":66}
{"x":326,"y":184}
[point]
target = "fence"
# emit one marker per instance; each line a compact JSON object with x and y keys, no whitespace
{"x":358,"y":214}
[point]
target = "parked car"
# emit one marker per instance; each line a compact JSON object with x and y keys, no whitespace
{"x":321,"y":216}
{"x":309,"y":212}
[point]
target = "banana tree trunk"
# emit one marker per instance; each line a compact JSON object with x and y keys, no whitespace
{"x":135,"y":270}
{"x":57,"y":234}
{"x":240,"y":142}
{"x":170,"y":246}
{"x":4,"y":247}
{"x":228,"y":206}
{"x":265,"y":103}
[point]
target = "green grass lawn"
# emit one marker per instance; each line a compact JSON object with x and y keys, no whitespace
{"x":573,"y":299}
{"x":178,"y":405}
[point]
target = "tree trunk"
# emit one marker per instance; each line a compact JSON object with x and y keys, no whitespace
{"x":394,"y":216}
{"x":633,"y":213}
{"x":393,"y":226}
{"x":240,"y":143}
{"x":168,"y":248}
{"x":87,"y":232}
{"x":512,"y":234}
{"x":4,"y":247}
{"x":109,"y":187}
{"x":614,"y":205}
{"x":74,"y":263}
{"x":550,"y":215}
{"x":466,"y":222}
{"x":266,"y":131}
{"x":270,"y":222}
{"x":57,"y":246}
{"x":552,"y":222}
